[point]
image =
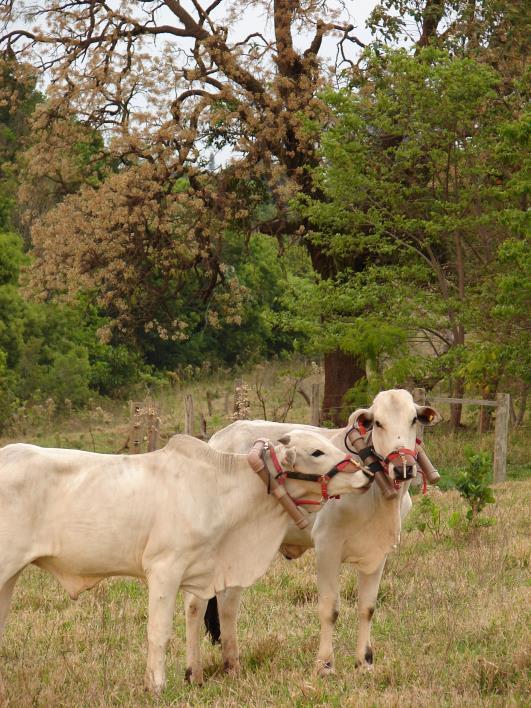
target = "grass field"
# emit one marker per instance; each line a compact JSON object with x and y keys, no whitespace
{"x":451,"y":627}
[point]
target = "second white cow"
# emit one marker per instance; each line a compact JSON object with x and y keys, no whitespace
{"x":360,"y":530}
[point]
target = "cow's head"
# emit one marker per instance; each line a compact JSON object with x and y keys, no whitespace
{"x":392,"y":420}
{"x":308,"y":453}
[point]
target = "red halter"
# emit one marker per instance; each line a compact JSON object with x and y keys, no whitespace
{"x":324,"y":479}
{"x":399,"y":453}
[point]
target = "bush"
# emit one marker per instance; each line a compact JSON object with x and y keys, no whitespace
{"x":426,"y":516}
{"x":8,"y":400}
{"x":68,"y":377}
{"x":473,"y":485}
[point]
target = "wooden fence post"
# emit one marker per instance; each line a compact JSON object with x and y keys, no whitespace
{"x":135,"y":436}
{"x":188,"y":414}
{"x":202,"y":427}
{"x":153,"y":426}
{"x":315,"y":418}
{"x":500,"y":437}
{"x":226,"y":404}
{"x":209,"y":400}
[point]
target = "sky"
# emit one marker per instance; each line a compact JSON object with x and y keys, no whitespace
{"x":254,"y":19}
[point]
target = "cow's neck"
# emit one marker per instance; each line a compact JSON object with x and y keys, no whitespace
{"x":387,"y":512}
{"x":254,"y":525}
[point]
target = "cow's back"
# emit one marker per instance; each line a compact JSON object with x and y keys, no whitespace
{"x":240,"y":435}
{"x":73,"y":505}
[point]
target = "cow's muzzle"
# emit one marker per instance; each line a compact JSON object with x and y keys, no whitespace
{"x":402,"y":463}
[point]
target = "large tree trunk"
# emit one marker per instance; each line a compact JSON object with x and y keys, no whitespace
{"x":485,"y":414}
{"x":342,"y":371}
{"x":456,"y":409}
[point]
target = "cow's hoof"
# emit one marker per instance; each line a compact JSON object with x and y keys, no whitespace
{"x":324,"y":668}
{"x":232,"y":667}
{"x":153,"y":687}
{"x":193,"y":677}
{"x":366,"y":663}
{"x":364,"y":666}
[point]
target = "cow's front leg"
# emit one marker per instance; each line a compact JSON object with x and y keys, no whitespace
{"x":6,"y":593}
{"x":328,"y":565}
{"x":194,"y":611}
{"x":229,"y":604}
{"x":163,"y":585}
{"x":368,"y":585}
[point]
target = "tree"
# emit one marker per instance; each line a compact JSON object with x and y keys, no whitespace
{"x":416,"y":173}
{"x":254,"y":95}
{"x":62,"y":156}
{"x":18,"y":99}
{"x":259,"y":95}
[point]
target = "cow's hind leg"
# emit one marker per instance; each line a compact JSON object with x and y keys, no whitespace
{"x":163,"y":585}
{"x":194,"y":611}
{"x":229,"y":605}
{"x":6,"y":593}
{"x":368,"y":585}
{"x":328,"y":565}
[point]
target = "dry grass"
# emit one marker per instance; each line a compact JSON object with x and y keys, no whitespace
{"x":450,"y":629}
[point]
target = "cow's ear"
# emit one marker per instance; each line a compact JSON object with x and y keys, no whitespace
{"x":427,"y":415}
{"x":289,"y":458}
{"x":363,"y":416}
{"x":287,"y":454}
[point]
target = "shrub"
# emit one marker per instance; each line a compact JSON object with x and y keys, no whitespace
{"x":426,"y":516}
{"x":473,"y":485}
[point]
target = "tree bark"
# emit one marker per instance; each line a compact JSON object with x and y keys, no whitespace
{"x":456,"y":409}
{"x":341,"y":372}
{"x":485,"y":414}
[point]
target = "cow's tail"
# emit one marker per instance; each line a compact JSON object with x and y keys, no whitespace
{"x":212,"y":621}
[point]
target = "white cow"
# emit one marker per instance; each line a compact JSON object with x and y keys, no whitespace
{"x":360,"y":530}
{"x":184,"y":516}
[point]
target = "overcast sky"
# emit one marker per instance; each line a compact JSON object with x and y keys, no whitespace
{"x":254,"y":20}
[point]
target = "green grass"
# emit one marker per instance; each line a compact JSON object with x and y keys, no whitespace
{"x":450,"y":629}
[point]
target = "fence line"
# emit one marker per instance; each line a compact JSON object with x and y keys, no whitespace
{"x":145,"y":420}
{"x":465,"y":401}
{"x":502,"y":404}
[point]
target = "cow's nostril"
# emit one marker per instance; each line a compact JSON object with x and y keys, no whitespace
{"x":404,"y":471}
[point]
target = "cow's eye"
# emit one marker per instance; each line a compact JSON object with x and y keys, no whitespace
{"x":378,"y":424}
{"x":317,"y":453}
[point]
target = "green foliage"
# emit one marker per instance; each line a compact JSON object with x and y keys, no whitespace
{"x":8,"y":399}
{"x":67,"y":378}
{"x":18,"y":100}
{"x":426,"y":517}
{"x":425,"y":178}
{"x":11,"y":258}
{"x":51,"y":351}
{"x":261,"y":279}
{"x":473,"y":484}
